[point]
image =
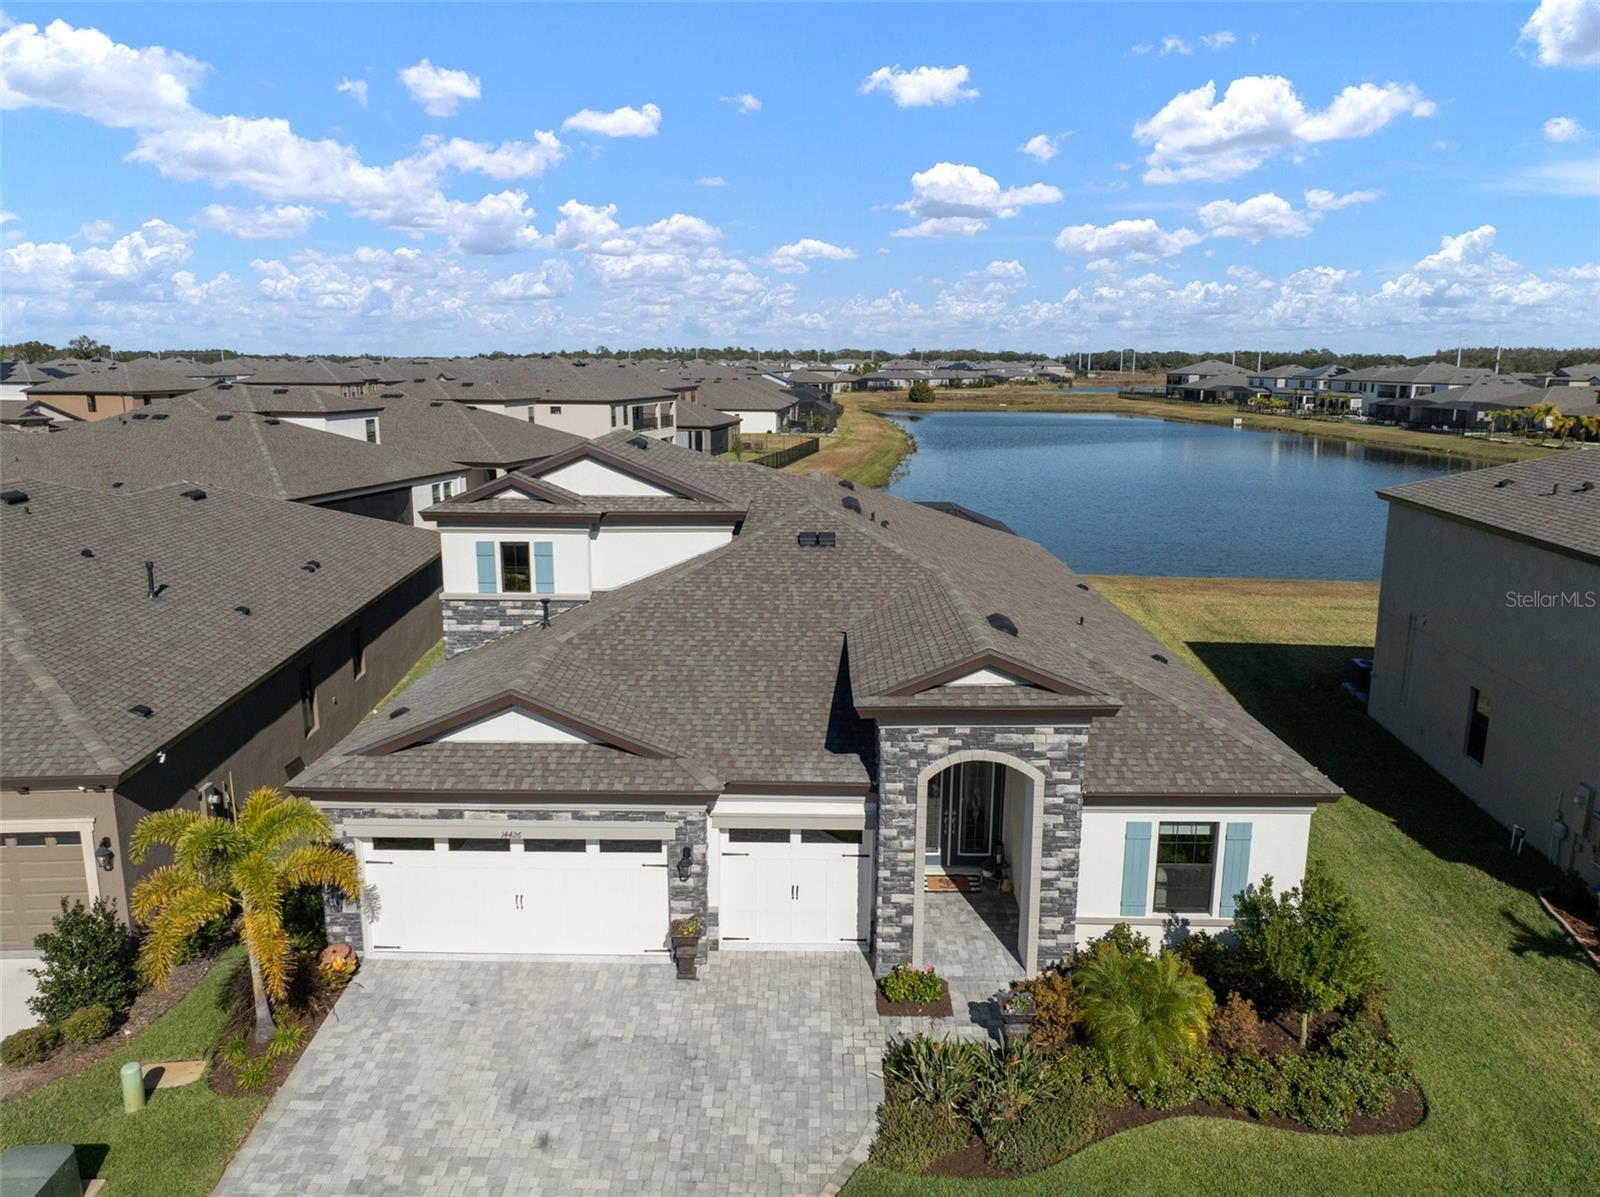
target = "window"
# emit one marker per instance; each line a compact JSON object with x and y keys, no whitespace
{"x":93,"y":406}
{"x":1186,"y":859}
{"x":757,"y":835}
{"x":637,"y":846}
{"x":830,"y":836}
{"x":391,"y":843}
{"x":553,"y":845}
{"x":440,"y":491}
{"x":476,"y":845}
{"x":1477,"y":725}
{"x":372,"y":430}
{"x":555,"y":410}
{"x":308,"y":700}
{"x":358,"y":652}
{"x":516,"y":571}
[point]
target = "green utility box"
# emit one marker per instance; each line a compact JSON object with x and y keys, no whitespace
{"x":48,"y":1171}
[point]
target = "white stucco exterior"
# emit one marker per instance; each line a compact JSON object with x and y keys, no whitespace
{"x":987,"y":677}
{"x":349,"y":424}
{"x":515,"y":726}
{"x":755,"y":421}
{"x":588,"y":477}
{"x":585,"y":559}
{"x":621,"y":554}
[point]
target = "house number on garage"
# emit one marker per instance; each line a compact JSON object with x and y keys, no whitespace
{"x":511,"y":835}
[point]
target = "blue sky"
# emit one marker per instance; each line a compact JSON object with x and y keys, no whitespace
{"x":461,"y":178}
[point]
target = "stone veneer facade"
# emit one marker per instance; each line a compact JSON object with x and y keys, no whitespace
{"x":1055,"y":750}
{"x":685,"y":897}
{"x":472,"y":622}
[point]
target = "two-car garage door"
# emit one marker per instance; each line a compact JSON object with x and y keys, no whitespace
{"x":561,"y":897}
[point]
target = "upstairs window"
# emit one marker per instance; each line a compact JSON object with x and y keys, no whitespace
{"x":1477,"y":725}
{"x":1186,"y":859}
{"x":93,"y":406}
{"x":308,"y":700}
{"x":555,"y":409}
{"x":516,"y":567}
{"x":440,"y":491}
{"x":358,"y":652}
{"x":372,"y":430}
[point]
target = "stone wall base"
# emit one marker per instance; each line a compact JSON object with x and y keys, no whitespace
{"x":472,"y":622}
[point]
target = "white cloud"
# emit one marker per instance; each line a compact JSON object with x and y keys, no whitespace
{"x":590,"y":229}
{"x":1567,"y":32}
{"x":921,"y":87}
{"x":1140,"y":240}
{"x":1141,"y":48}
{"x":1173,"y":44}
{"x":744,"y":102}
{"x":1564,"y":128}
{"x":1257,"y":218}
{"x":1578,"y":176}
{"x":83,"y":71}
{"x":141,"y":262}
{"x":712,"y":181}
{"x":95,"y":232}
{"x":792,"y":258}
{"x":1220,"y":40}
{"x":356,"y":88}
{"x":440,"y":90}
{"x":678,"y":232}
{"x":644,"y":121}
{"x":949,"y":199}
{"x":508,"y":160}
{"x":1196,"y":136}
{"x":259,"y":223}
{"x":1043,"y":146}
{"x":552,"y":279}
{"x":1320,"y":200}
{"x":1012,"y":269}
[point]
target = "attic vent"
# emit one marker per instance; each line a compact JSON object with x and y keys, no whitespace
{"x":816,"y":540}
{"x":1001,"y":622}
{"x":224,"y":417}
{"x":242,"y":609}
{"x":883,"y":523}
{"x":194,"y":494}
{"x":158,"y":415}
{"x":435,"y":402}
{"x":140,"y":710}
{"x":114,"y":485}
{"x":312,"y":566}
{"x":392,"y":395}
{"x":86,"y":552}
{"x":398,"y":711}
{"x":140,"y":415}
{"x":1083,"y":586}
{"x":272,"y":420}
{"x":851,"y":503}
{"x":1583,"y":488}
{"x":847,"y":484}
{"x":280,"y":390}
{"x":1504,"y":482}
{"x":1158,"y":657}
{"x":639,"y":442}
{"x":12,"y":497}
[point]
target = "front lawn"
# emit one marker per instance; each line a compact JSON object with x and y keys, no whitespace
{"x":1497,"y":1009}
{"x":182,"y":1140}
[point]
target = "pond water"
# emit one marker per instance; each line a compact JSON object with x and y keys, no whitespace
{"x":1131,"y":495}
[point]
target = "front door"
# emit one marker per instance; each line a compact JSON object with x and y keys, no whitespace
{"x":963,"y":819}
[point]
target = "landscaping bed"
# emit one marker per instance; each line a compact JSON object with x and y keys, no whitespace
{"x":242,"y":1067}
{"x":938,"y":1008}
{"x":908,"y":992}
{"x":1574,"y":907}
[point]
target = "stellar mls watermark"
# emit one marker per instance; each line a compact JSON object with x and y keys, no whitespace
{"x":1548,"y":599}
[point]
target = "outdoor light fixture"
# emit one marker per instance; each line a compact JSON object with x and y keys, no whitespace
{"x":104,"y":854}
{"x":215,"y":802}
{"x":685,"y":863}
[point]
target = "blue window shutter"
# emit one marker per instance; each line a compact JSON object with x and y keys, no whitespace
{"x":1235,"y":866}
{"x":487,"y":582}
{"x":1135,"y":868}
{"x":544,"y":567}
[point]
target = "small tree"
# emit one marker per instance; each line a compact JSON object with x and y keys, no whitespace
{"x":921,"y":392}
{"x":278,"y":844}
{"x":1142,"y":1012}
{"x":738,"y":447}
{"x":1306,"y":944}
{"x":88,"y":961}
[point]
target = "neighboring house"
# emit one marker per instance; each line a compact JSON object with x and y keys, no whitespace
{"x":1187,"y":378}
{"x":187,"y":438}
{"x":1364,"y":390}
{"x":1462,"y":408}
{"x":32,"y":415}
{"x":819,"y":384}
{"x":1488,"y":646}
{"x":347,"y":379}
{"x":759,"y":404}
{"x":325,"y":408}
{"x":113,"y":391}
{"x":784,"y":722}
{"x":1584,"y":374}
{"x":1231,"y":387}
{"x":160,"y":644}
{"x":704,"y":429}
{"x":17,"y":377}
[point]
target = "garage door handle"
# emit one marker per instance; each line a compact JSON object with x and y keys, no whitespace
{"x":736,"y":854}
{"x":652,"y":866}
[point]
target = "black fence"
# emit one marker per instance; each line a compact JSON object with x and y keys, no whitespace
{"x":779,"y":458}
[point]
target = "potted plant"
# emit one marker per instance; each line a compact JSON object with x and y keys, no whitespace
{"x":1017,"y":1012}
{"x":686,"y":946}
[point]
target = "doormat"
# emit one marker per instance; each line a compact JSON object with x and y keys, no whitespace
{"x":939,"y":883}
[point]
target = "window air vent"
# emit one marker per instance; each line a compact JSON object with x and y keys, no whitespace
{"x":851,"y":503}
{"x":194,"y":494}
{"x":1001,"y":622}
{"x":140,"y":710}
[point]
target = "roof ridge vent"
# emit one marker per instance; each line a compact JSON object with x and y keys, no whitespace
{"x":1001,"y":622}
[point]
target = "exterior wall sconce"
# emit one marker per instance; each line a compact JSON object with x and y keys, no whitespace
{"x":215,"y":802}
{"x":104,"y":855}
{"x":685,"y":863}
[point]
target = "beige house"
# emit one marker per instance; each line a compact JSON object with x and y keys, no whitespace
{"x":1488,"y":654}
{"x":114,"y":391}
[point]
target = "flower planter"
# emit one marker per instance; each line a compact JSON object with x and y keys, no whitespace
{"x":1016,"y":1017}
{"x":685,"y":937}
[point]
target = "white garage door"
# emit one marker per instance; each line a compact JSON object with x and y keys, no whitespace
{"x":557,"y":897}
{"x":798,"y":887}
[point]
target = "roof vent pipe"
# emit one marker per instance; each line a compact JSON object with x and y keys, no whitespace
{"x":150,"y":578}
{"x":544,"y":613}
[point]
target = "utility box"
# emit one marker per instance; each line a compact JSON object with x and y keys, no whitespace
{"x":48,"y":1171}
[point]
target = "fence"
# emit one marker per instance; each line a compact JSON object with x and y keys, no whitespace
{"x":779,"y":458}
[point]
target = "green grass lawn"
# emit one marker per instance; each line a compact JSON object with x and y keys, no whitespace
{"x":1499,"y":1012}
{"x":426,"y":662}
{"x":181,"y":1142}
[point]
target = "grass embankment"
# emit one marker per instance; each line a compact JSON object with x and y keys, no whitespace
{"x":181,"y":1142}
{"x":864,"y":448}
{"x":1498,"y":1010}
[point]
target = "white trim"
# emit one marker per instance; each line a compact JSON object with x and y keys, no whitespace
{"x":526,"y":829}
{"x":82,"y":824}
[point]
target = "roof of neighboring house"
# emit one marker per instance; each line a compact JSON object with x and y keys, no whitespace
{"x":1543,"y":501}
{"x":523,"y":495}
{"x":690,"y":414}
{"x":118,"y":379}
{"x":72,"y":671}
{"x":289,"y":399}
{"x":228,"y":367}
{"x":310,"y":372}
{"x":19,"y":373}
{"x":466,"y":435}
{"x":662,"y":674}
{"x":1208,"y":365}
{"x":738,"y":392}
{"x":1579,"y":370}
{"x":1489,"y":393}
{"x":182,"y":438}
{"x":23,"y":411}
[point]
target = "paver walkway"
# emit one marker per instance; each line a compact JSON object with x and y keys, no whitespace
{"x":452,"y":1078}
{"x":971,"y":939}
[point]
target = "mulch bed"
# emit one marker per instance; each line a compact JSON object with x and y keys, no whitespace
{"x":309,"y":1004}
{"x":937,"y":1009}
{"x":1581,"y":925}
{"x":72,"y":1058}
{"x":968,"y":1163}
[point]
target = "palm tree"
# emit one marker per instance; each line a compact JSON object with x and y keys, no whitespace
{"x":1142,"y":1012}
{"x":220,"y":866}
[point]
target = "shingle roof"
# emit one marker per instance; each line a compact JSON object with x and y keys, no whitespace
{"x":1542,"y":501}
{"x":695,"y":415}
{"x":310,"y":372}
{"x":84,"y":642}
{"x":742,"y":662}
{"x":118,"y":379}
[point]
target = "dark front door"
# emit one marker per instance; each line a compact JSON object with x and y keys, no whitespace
{"x":963,"y":818}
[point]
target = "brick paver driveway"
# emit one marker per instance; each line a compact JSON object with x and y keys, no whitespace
{"x":443,"y":1077}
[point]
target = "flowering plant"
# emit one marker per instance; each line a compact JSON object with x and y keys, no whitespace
{"x":907,"y":984}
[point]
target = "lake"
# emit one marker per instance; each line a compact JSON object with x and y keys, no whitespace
{"x":1131,"y":495}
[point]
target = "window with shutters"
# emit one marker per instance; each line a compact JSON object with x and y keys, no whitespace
{"x":516,"y":570}
{"x":1186,"y":861}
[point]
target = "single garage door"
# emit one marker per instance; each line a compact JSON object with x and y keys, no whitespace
{"x":556,"y":897}
{"x":37,"y":870}
{"x":796,"y":887}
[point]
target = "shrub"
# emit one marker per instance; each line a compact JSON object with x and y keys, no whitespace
{"x":1306,"y":945}
{"x":937,"y":1072}
{"x":197,"y":943}
{"x":690,"y":926}
{"x":1218,"y":964}
{"x":1122,"y":937}
{"x":1237,"y":1029}
{"x":920,"y":392}
{"x":1047,"y":1132}
{"x":1255,"y":1084}
{"x":88,"y":960}
{"x":1008,"y":1080}
{"x":907,"y":984}
{"x":287,"y":1038}
{"x":305,"y":918}
{"x":336,"y":973}
{"x":1082,"y":1067}
{"x":1321,"y":1093}
{"x":1176,"y":1084}
{"x":913,"y":1135}
{"x":1375,"y":1065}
{"x":253,"y":1073}
{"x":29,"y":1046}
{"x":1058,"y":1010}
{"x":1142,"y":1012}
{"x":88,"y":1025}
